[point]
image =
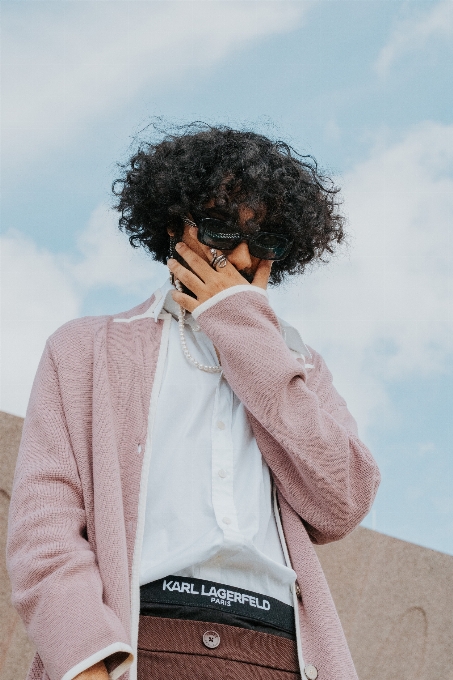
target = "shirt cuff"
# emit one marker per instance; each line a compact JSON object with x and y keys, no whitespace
{"x":226,"y":293}
{"x":100,"y":656}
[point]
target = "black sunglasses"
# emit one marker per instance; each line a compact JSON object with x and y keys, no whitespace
{"x":264,"y":245}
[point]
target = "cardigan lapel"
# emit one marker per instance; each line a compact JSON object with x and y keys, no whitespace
{"x":125,"y":363}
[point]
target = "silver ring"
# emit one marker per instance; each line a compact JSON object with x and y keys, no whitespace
{"x":218,"y":260}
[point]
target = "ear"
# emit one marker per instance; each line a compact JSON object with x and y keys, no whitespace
{"x":170,"y":231}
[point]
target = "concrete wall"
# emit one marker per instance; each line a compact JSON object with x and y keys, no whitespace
{"x":15,"y":649}
{"x":395,"y":599}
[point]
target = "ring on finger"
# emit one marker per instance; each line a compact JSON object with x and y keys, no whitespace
{"x":218,"y":260}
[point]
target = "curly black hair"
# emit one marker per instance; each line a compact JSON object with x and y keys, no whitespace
{"x":166,"y":181}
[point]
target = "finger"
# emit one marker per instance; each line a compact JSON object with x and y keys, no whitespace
{"x":202,"y":268}
{"x":189,"y":303}
{"x":205,"y":249}
{"x":190,"y":280}
{"x":228,"y":269}
{"x":262,"y":274}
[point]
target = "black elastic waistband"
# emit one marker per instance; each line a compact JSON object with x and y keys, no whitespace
{"x":194,"y":592}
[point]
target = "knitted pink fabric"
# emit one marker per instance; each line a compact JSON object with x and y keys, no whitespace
{"x":73,"y":513}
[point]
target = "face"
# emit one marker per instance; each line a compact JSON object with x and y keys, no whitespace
{"x":240,"y":257}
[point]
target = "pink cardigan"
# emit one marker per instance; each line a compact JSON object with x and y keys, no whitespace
{"x":77,"y":509}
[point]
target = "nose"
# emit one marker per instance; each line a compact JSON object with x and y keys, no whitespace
{"x":240,"y":257}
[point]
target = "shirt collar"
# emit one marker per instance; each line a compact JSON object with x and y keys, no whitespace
{"x":162,"y":294}
{"x":167,"y":304}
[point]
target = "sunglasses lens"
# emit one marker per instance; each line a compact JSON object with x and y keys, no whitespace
{"x":269,"y":246}
{"x":217,"y":234}
{"x":264,"y":245}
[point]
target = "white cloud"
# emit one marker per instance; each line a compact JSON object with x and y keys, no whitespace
{"x":109,"y":260}
{"x":42,"y":290}
{"x":383,"y":313}
{"x":414,"y":33}
{"x":36,"y":298}
{"x":65,"y":64}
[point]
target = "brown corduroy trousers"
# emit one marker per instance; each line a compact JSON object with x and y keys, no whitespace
{"x":173,"y":648}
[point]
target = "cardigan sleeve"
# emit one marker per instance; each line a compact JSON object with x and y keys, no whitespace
{"x":56,"y":585}
{"x":302,"y":425}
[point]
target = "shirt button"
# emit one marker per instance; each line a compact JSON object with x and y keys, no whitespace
{"x":211,"y":639}
{"x":310,"y":671}
{"x":222,"y":474}
{"x":226,"y":520}
{"x":220,"y":425}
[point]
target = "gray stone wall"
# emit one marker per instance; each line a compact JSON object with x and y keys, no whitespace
{"x":395,"y":599}
{"x":16,"y":651}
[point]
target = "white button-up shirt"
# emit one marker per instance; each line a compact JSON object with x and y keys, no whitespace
{"x":209,"y":506}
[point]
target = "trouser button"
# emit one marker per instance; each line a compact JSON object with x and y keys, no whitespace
{"x":211,"y":639}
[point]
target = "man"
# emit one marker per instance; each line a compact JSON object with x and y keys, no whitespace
{"x":179,"y":460}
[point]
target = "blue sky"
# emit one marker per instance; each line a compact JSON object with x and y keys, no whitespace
{"x":363,"y":85}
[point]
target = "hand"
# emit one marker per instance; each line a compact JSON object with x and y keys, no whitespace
{"x":96,"y":672}
{"x":204,"y":281}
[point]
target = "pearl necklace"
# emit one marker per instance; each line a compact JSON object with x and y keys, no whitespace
{"x":187,"y":354}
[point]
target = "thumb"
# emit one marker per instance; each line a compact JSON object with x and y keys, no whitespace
{"x":261,"y":278}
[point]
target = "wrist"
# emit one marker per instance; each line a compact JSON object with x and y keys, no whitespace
{"x":227,"y":292}
{"x":96,"y":672}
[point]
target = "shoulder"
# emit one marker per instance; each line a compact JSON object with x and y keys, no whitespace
{"x":78,"y":336}
{"x":295,"y":343}
{"x":321,"y":381}
{"x":317,"y":371}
